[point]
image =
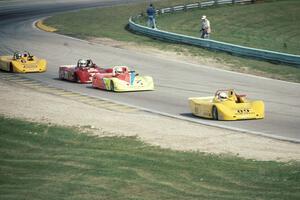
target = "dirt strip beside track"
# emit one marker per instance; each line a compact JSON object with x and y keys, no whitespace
{"x":22,"y":102}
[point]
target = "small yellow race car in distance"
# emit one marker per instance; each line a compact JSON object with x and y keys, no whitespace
{"x":227,"y":105}
{"x":22,"y":63}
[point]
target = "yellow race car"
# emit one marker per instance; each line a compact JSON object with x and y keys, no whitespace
{"x":22,"y":63}
{"x":227,"y":105}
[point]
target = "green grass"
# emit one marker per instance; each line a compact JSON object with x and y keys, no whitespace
{"x":41,"y":161}
{"x":271,"y":25}
{"x":104,"y":22}
{"x":112,"y":23}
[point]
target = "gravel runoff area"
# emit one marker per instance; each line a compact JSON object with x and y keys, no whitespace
{"x":24,"y":103}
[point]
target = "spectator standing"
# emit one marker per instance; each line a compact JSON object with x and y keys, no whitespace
{"x":205,"y":27}
{"x":151,"y":16}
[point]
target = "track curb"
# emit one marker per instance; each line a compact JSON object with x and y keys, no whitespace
{"x":40,"y":24}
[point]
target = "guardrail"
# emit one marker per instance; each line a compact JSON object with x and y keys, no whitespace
{"x":201,"y":5}
{"x":271,"y":56}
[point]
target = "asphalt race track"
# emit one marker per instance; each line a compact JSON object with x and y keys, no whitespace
{"x":175,"y":81}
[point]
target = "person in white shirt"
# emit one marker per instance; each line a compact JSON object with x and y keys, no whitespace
{"x":205,"y":27}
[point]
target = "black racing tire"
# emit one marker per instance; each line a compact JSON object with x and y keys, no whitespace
{"x":215,"y":114}
{"x":76,"y":78}
{"x":112,"y":86}
{"x":11,"y":68}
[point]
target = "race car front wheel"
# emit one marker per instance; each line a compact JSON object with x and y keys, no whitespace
{"x":215,"y":113}
{"x":11,"y":68}
{"x":112,"y":86}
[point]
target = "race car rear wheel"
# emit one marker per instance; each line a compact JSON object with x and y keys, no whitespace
{"x":215,"y":113}
{"x":112,"y":86}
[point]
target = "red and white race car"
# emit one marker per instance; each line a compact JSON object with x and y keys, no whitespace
{"x":83,"y":72}
{"x":121,"y":79}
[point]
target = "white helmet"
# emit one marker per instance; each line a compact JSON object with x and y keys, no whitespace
{"x":223,"y":95}
{"x":82,"y":63}
{"x":119,"y":70}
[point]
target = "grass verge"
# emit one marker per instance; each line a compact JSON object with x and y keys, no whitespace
{"x":48,"y":162}
{"x":102,"y":23}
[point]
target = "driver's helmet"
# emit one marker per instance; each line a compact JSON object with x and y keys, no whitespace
{"x":18,"y":55}
{"x":82,"y":63}
{"x":222,"y":95}
{"x":119,"y":70}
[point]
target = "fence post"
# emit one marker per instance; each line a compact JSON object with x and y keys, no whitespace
{"x":172,"y":10}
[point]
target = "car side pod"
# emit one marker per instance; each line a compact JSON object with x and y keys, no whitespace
{"x":259,"y":107}
{"x":42,"y":65}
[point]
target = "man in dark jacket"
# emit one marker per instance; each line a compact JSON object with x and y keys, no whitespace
{"x":151,"y":16}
